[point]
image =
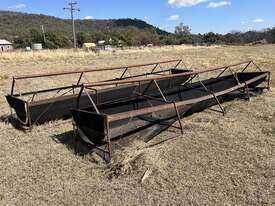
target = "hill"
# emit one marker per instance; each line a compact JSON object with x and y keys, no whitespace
{"x":14,"y":24}
{"x":24,"y":29}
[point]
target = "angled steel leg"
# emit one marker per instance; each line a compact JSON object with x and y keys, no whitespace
{"x":109,"y":146}
{"x":154,"y":68}
{"x":179,"y":64}
{"x":190,"y":80}
{"x":165,"y":101}
{"x":247,"y":66}
{"x":246,"y":90}
{"x":126,"y":69}
{"x":29,"y":117}
{"x":256,"y":65}
{"x":179,"y":119}
{"x":161,"y":93}
{"x":235,"y":76}
{"x":92,"y":101}
{"x":222,"y":72}
{"x":269,"y":81}
{"x":80,"y":77}
{"x":216,"y":98}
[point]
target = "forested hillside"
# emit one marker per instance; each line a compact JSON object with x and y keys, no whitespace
{"x":23,"y":29}
{"x":14,"y":24}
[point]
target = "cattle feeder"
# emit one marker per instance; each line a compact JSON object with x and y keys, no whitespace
{"x":32,"y":107}
{"x":101,"y":124}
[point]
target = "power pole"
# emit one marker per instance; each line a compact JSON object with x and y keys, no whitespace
{"x":43,"y":33}
{"x":72,"y":8}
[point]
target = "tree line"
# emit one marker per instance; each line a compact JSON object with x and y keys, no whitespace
{"x":133,"y":36}
{"x":24,"y":29}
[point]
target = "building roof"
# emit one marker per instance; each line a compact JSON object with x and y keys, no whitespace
{"x":5,"y":42}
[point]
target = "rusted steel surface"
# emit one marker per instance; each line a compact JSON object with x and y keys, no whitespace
{"x":108,"y":83}
{"x":122,"y":89}
{"x":148,"y":115}
{"x":60,"y":106}
{"x":155,"y":64}
{"x":95,"y":70}
{"x":119,"y":116}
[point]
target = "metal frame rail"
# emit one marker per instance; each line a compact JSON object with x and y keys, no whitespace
{"x":82,"y":73}
{"x":70,"y":90}
{"x":168,"y":104}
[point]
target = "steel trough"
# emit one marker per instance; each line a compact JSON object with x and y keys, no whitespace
{"x":154,"y":113}
{"x":31,"y":111}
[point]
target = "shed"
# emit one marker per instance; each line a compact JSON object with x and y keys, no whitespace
{"x":5,"y":45}
{"x":89,"y":46}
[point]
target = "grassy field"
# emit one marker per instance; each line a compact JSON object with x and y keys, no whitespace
{"x":219,"y":160}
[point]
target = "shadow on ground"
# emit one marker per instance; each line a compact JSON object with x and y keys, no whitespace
{"x":72,"y":142}
{"x":79,"y":147}
{"x":11,"y":119}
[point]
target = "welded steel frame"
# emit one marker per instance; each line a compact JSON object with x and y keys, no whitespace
{"x":116,"y":117}
{"x":81,"y":74}
{"x":215,"y":97}
{"x":175,"y":105}
{"x":168,"y":105}
{"x":129,"y":81}
{"x":108,"y":151}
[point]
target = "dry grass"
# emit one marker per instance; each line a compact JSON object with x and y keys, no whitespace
{"x":219,"y":161}
{"x":65,"y":54}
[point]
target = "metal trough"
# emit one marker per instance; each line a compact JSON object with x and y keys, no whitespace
{"x":149,"y":115}
{"x":31,"y":111}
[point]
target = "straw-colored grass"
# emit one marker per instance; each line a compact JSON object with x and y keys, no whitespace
{"x":219,"y":160}
{"x":69,"y":54}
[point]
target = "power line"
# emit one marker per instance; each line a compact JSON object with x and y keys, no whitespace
{"x":72,"y":8}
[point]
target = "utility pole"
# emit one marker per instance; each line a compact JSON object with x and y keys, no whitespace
{"x":43,"y":33}
{"x":72,"y":8}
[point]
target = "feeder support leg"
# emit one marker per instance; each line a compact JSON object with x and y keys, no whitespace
{"x":154,"y":68}
{"x":216,"y":98}
{"x":108,"y":141}
{"x":92,"y":101}
{"x":268,"y":81}
{"x":80,"y":77}
{"x":160,"y":91}
{"x":178,"y":115}
{"x":178,"y":64}
{"x":126,"y":69}
{"x":13,"y":85}
{"x":247,"y":66}
{"x":246,"y":89}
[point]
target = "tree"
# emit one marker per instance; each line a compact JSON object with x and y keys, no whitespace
{"x":83,"y":37}
{"x":36,"y":37}
{"x":22,"y":42}
{"x":182,"y":29}
{"x":57,"y":40}
{"x":212,"y":38}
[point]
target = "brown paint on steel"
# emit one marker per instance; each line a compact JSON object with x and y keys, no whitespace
{"x":78,"y":85}
{"x":60,"y":98}
{"x":128,"y":81}
{"x":91,"y":70}
{"x":124,"y":115}
{"x":162,"y":77}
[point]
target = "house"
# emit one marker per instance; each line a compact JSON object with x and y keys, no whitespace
{"x":5,"y":45}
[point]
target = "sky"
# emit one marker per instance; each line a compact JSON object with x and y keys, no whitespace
{"x":202,"y":16}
